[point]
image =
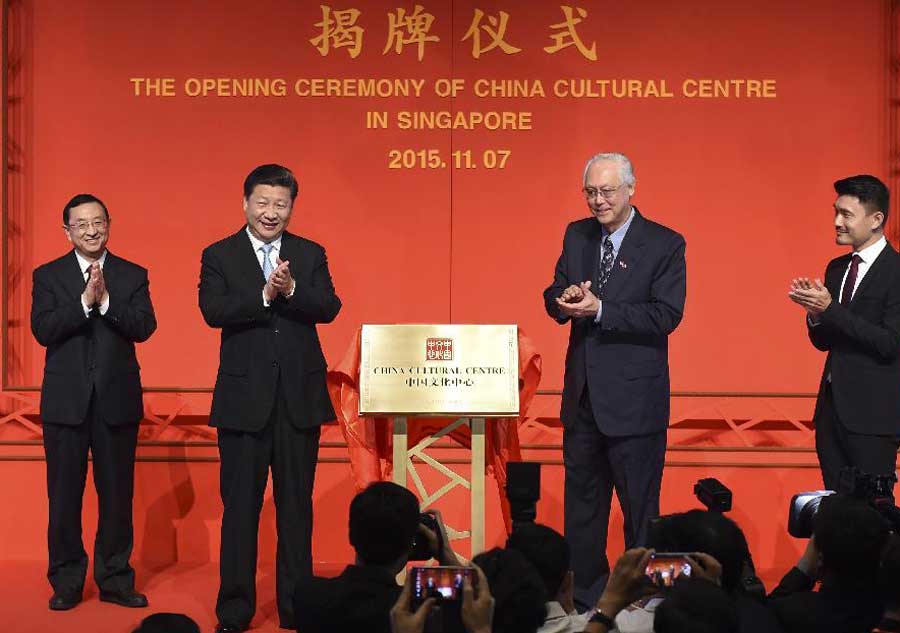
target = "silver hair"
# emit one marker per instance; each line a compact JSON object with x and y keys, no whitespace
{"x":626,"y":171}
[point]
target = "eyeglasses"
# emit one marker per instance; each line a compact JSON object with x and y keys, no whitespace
{"x":83,"y":226}
{"x":593,"y":192}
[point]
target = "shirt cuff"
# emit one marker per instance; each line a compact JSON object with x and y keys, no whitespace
{"x":812,"y":322}
{"x":266,"y":302}
{"x":105,"y":305}
{"x":599,"y":313}
{"x":86,"y":308}
{"x":293,"y":288}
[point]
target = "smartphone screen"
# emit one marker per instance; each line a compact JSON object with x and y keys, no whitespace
{"x":445,"y":584}
{"x":664,"y":567}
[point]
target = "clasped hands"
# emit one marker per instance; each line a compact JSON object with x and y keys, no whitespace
{"x":578,"y":301}
{"x":812,"y":295}
{"x":280,"y":282}
{"x":95,"y":292}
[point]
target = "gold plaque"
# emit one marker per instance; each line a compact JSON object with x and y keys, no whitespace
{"x":464,"y":370}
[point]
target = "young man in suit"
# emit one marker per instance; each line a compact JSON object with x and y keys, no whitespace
{"x":89,"y":308}
{"x":855,"y":317}
{"x":621,"y":282}
{"x":266,"y":289}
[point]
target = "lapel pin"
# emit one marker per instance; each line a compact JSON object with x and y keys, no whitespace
{"x":623,"y":264}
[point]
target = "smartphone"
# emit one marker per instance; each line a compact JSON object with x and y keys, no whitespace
{"x":445,"y":584}
{"x":664,"y":567}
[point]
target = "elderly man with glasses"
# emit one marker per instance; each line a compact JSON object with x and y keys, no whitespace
{"x":88,"y":309}
{"x":620,"y":282}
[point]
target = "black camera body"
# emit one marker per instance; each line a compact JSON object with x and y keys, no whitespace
{"x":876,"y":490}
{"x":523,"y":490}
{"x":421,"y":549}
{"x":713,"y":494}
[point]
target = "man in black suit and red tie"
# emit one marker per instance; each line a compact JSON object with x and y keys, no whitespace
{"x":89,"y":308}
{"x":855,"y":317}
{"x":267,"y":289}
{"x":621,"y":283}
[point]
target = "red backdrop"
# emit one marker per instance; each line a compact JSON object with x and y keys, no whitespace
{"x":746,"y":180}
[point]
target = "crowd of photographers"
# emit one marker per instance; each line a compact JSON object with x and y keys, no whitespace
{"x":847,"y":581}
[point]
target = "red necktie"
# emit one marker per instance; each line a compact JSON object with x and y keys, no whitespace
{"x":847,"y":292}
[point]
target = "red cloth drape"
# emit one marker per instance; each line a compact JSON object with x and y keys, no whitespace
{"x":369,"y":438}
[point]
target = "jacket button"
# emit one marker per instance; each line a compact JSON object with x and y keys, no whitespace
{"x":275,"y":330}
{"x":274,"y":363}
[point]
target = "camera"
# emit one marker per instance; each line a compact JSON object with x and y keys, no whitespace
{"x":523,"y":489}
{"x":421,"y":548}
{"x":876,"y":490}
{"x":713,"y":494}
{"x":803,"y":509}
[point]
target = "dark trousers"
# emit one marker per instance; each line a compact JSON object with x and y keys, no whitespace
{"x":595,"y":465}
{"x":246,"y":457}
{"x":838,"y":447}
{"x":112,"y":451}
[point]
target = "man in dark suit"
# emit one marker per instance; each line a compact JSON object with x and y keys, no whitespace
{"x":620,"y":280}
{"x":88,"y":309}
{"x":267,"y":289}
{"x":855,"y":317}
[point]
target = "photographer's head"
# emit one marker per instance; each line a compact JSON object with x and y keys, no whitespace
{"x":383,"y":522}
{"x":167,"y":623}
{"x":548,"y":552}
{"x":850,"y":536}
{"x":707,"y":532}
{"x":695,"y":605}
{"x":517,"y":589}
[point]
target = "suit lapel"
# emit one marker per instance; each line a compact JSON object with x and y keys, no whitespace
{"x":246,"y":258}
{"x":73,"y":279}
{"x":629,"y":254}
{"x":590,"y":254}
{"x":289,"y":251}
{"x":875,"y":270}
{"x":834,"y":275}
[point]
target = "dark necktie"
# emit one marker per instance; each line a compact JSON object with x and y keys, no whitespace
{"x":850,"y":282}
{"x":606,"y":264}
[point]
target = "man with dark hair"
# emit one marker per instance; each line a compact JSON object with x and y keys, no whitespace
{"x":696,"y":605}
{"x":167,"y":623}
{"x":844,"y":554}
{"x":89,"y":307}
{"x":267,"y":289}
{"x":855,"y":317}
{"x":548,"y":552}
{"x":517,"y":588}
{"x":716,"y":535}
{"x":620,"y":282}
{"x":384,"y":521}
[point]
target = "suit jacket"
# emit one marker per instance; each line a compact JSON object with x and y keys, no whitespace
{"x":839,"y":606}
{"x":623,"y":360}
{"x":91,"y":353}
{"x":360,"y":599}
{"x":262,"y":346}
{"x":862,"y":339}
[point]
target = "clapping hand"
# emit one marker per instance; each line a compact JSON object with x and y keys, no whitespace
{"x":811,"y":295}
{"x":578,"y":301}
{"x":280,"y":281}
{"x":95,"y":291}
